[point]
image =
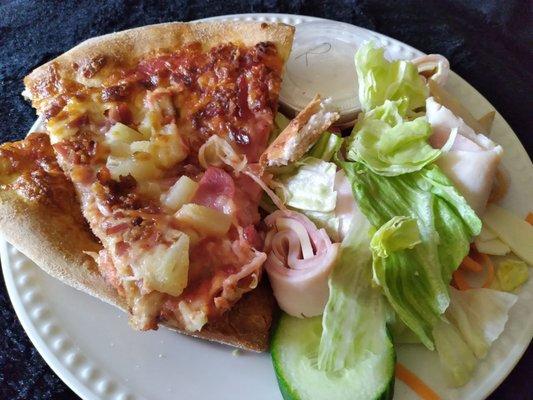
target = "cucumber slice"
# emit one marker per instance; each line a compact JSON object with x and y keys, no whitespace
{"x":294,"y":355}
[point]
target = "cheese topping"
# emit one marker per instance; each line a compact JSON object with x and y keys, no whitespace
{"x":154,"y":153}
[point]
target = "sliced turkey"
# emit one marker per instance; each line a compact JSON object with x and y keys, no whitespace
{"x":299,"y":260}
{"x":473,"y":159}
{"x":434,"y":67}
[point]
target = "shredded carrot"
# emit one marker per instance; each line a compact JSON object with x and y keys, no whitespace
{"x":460,"y":280}
{"x":471,"y":265}
{"x":490,"y":270}
{"x":529,"y":218}
{"x":415,"y":383}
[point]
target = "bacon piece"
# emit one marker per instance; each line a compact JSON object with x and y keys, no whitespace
{"x":108,"y":270}
{"x":121,"y":113}
{"x":117,"y":228}
{"x":299,"y":282}
{"x":246,"y":198}
{"x":252,"y":236}
{"x":216,"y":190}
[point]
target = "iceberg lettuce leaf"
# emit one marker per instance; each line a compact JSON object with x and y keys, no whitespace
{"x":280,"y":123}
{"x":380,"y":79}
{"x":415,"y":281}
{"x":390,"y":145}
{"x":309,"y":186}
{"x":397,"y":234}
{"x":326,"y":147}
{"x":354,"y":324}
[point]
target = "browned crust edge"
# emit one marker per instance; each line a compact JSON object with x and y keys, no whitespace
{"x":127,"y":47}
{"x":55,"y":242}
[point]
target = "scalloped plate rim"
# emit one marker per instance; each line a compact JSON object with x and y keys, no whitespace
{"x":83,"y":390}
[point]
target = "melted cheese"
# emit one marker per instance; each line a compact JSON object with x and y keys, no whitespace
{"x":63,"y":126}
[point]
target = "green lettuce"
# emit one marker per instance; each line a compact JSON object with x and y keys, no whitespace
{"x":326,"y":146}
{"x":397,"y":234}
{"x":390,"y":145}
{"x":309,"y":186}
{"x":354,"y":324}
{"x":381,"y":80}
{"x":415,"y":280}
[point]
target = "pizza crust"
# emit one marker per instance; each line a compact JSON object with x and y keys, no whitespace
{"x":56,"y":242}
{"x":298,"y":137}
{"x":92,"y":60}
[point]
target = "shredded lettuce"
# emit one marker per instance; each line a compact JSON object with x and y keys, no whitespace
{"x":473,"y":321}
{"x":415,"y":281}
{"x":326,"y":147}
{"x":390,"y":145}
{"x":397,"y":234}
{"x":381,"y":80}
{"x":354,"y":324}
{"x":309,"y":186}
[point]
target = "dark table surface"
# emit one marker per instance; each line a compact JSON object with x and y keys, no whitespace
{"x":488,"y":42}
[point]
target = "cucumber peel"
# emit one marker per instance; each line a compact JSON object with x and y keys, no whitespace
{"x":348,"y":353}
{"x":294,"y":355}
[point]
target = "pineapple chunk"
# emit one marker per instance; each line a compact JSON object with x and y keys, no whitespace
{"x":150,"y":189}
{"x":119,"y":149}
{"x":180,"y":193}
{"x":122,"y":133}
{"x":59,"y":130}
{"x":166,"y":269}
{"x":140,"y":166}
{"x":147,"y":125}
{"x":194,"y":319}
{"x":205,"y":220}
{"x":140,"y":146}
{"x":194,"y":237}
{"x":168,"y":150}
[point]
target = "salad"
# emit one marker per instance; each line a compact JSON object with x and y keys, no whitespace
{"x":388,"y":235}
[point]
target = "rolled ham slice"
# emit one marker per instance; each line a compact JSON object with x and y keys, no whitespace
{"x":434,"y":67}
{"x":473,"y":159}
{"x":299,"y":260}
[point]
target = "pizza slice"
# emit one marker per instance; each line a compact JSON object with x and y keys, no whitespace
{"x":158,"y":129}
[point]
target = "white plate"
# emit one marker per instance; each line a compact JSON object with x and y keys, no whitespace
{"x":90,"y":346}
